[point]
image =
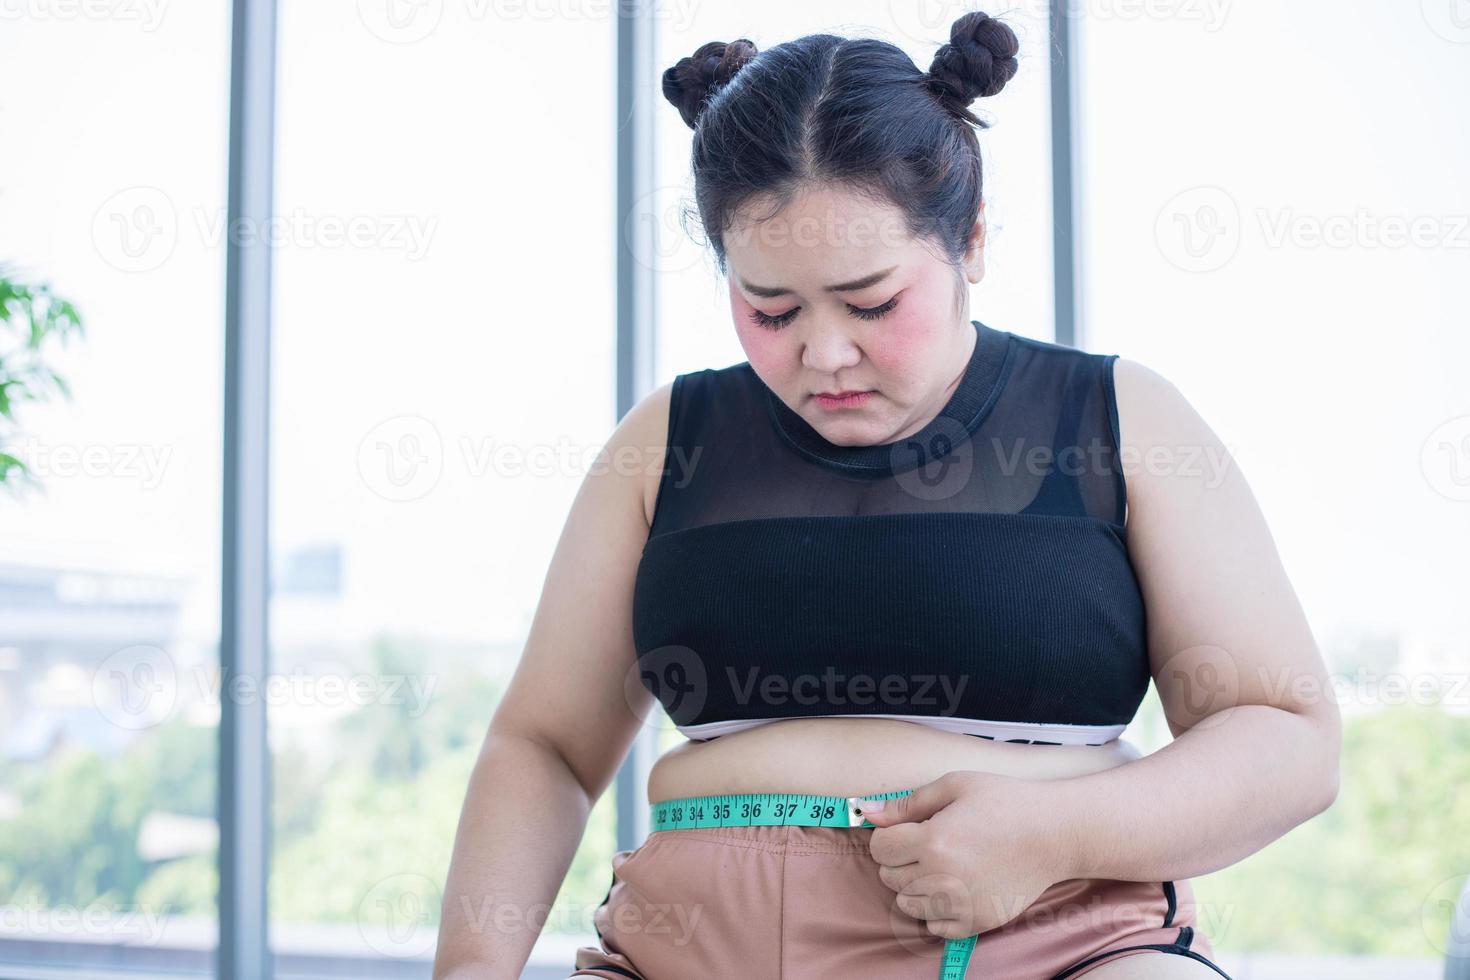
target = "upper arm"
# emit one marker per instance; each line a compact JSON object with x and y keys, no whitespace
{"x":575,"y":687}
{"x":1225,"y":627}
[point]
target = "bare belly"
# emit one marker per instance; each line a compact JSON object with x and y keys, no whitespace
{"x":857,"y":756}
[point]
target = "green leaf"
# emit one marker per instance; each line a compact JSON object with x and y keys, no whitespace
{"x":11,"y":465}
{"x":37,"y":313}
{"x":60,"y":383}
{"x":71,"y":319}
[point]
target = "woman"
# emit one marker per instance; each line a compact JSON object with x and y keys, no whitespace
{"x":893,"y":550}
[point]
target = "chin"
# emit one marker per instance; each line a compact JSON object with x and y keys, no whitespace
{"x":848,"y":433}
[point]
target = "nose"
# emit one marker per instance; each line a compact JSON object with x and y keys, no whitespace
{"x":828,"y":348}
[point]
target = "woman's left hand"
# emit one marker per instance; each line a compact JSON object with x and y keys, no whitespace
{"x":971,"y":851}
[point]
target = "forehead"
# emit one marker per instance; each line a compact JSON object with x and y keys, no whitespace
{"x":824,"y":234}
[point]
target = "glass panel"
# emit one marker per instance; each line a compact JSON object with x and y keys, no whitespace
{"x":443,"y":365}
{"x":1288,"y":246}
{"x":109,"y":583}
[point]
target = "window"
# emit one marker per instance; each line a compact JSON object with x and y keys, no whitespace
{"x":1287,"y":248}
{"x":442,"y":374}
{"x":445,"y":326}
{"x":112,"y":192}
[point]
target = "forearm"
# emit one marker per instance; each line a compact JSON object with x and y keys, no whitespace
{"x":1219,"y":792}
{"x":524,"y":815}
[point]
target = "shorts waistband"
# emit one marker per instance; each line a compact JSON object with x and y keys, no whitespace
{"x":778,"y":839}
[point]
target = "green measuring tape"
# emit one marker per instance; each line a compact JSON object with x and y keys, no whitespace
{"x":789,"y":810}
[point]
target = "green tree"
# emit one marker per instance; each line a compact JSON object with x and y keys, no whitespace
{"x":31,"y":317}
{"x":1364,"y":877}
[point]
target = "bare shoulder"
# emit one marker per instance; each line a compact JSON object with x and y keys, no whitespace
{"x":1163,"y":438}
{"x":1149,"y":403}
{"x":642,"y":434}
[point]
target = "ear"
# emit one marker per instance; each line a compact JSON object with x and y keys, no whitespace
{"x":975,"y":255}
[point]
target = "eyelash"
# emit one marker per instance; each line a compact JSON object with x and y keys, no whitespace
{"x":777,"y":322}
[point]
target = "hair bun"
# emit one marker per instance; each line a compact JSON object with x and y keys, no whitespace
{"x":977,"y":62}
{"x":691,"y":82}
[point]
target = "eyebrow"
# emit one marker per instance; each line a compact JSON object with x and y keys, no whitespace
{"x":863,"y":283}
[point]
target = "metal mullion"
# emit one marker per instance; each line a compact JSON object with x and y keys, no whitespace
{"x":1065,"y":186}
{"x":635,"y":78}
{"x":244,"y":762}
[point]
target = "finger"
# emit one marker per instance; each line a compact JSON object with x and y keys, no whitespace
{"x":945,"y":927}
{"x":898,"y":845}
{"x":921,"y":804}
{"x":903,"y":877}
{"x":931,"y":908}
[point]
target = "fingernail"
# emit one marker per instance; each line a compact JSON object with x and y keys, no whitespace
{"x":871,"y":806}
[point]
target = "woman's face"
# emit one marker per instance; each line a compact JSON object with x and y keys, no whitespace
{"x":832,"y":295}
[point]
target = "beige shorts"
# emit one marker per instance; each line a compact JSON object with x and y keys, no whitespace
{"x":806,"y":903}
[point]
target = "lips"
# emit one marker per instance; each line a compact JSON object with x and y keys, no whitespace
{"x":845,"y":400}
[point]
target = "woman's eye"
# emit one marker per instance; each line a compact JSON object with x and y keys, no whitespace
{"x":773,"y":322}
{"x":780,"y":320}
{"x":872,"y":312}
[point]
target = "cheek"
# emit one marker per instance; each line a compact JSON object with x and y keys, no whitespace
{"x":901,"y":347}
{"x":904,"y":349}
{"x":763,"y":347}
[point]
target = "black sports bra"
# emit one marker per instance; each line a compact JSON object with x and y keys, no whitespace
{"x":973,"y":577}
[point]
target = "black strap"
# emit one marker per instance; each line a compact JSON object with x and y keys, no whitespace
{"x":1179,"y":947}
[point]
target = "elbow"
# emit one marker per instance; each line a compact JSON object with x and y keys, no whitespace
{"x":1329,"y":785}
{"x":1327,"y":738}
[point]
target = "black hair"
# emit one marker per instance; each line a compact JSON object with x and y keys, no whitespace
{"x":852,"y":111}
